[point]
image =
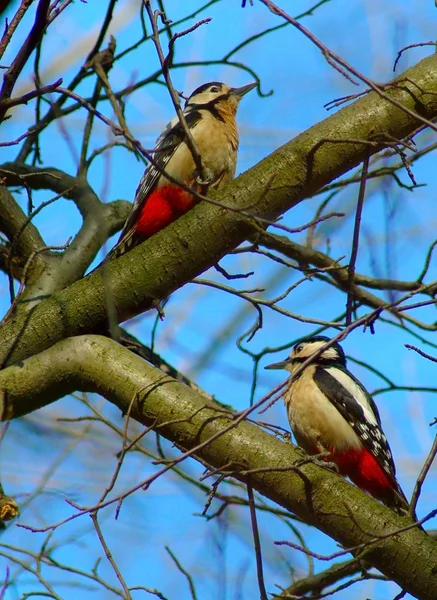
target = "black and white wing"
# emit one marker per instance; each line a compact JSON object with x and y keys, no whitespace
{"x":358,"y":408}
{"x":165,"y":147}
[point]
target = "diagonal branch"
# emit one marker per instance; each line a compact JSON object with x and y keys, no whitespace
{"x":215,"y":436}
{"x":200,"y":238}
{"x":29,"y":45}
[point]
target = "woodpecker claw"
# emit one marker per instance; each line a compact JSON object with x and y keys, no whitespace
{"x":319,"y":460}
{"x":205,"y":178}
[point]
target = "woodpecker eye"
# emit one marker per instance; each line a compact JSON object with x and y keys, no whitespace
{"x":214,"y":89}
{"x":299,"y":348}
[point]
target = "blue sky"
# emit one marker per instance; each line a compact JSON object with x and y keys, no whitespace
{"x":219,"y":553}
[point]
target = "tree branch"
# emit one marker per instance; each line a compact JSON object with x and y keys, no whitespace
{"x":203,"y":429}
{"x":100,"y":221}
{"x":12,"y":219}
{"x":200,"y":238}
{"x":29,"y":45}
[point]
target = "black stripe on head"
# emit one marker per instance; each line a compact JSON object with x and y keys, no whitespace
{"x":210,"y":106}
{"x":334,"y":355}
{"x":205,"y":86}
{"x":213,"y":87}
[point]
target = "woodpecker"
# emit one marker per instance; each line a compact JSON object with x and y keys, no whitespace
{"x":331,"y":412}
{"x":210,"y":114}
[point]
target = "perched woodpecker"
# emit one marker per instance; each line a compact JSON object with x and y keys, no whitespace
{"x":331,"y":412}
{"x":210,"y":114}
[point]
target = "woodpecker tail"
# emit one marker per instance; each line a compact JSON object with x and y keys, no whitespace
{"x":124,"y":244}
{"x":362,"y":467}
{"x":395,"y":499}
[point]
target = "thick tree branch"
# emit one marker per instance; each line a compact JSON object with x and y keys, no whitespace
{"x":198,"y":240}
{"x":320,"y":497}
{"x":100,"y":221}
{"x":318,"y":582}
{"x":12,"y":221}
{"x":74,"y":188}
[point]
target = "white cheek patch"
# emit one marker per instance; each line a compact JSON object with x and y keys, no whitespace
{"x":330,"y":353}
{"x":355,"y":391}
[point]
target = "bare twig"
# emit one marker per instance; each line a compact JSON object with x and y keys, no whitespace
{"x":184,"y":572}
{"x":343,"y":67}
{"x":173,"y":94}
{"x":24,"y":99}
{"x":32,"y":40}
{"x":355,"y":240}
{"x":109,"y":556}
{"x":12,"y":26}
{"x":417,"y":45}
{"x":421,"y":352}
{"x":422,"y":476}
{"x":256,"y":542}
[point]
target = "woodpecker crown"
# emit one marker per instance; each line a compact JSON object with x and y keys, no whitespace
{"x":334,"y":355}
{"x":216,"y":91}
{"x":303,"y":350}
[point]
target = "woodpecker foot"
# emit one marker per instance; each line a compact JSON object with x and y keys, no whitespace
{"x":205,"y":178}
{"x":319,"y":460}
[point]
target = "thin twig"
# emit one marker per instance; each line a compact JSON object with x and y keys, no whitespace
{"x":24,"y":99}
{"x":418,"y":45}
{"x":421,"y":352}
{"x":29,"y":45}
{"x":189,"y":140}
{"x":12,"y":26}
{"x":344,"y":67}
{"x":109,"y":556}
{"x":256,"y":542}
{"x":422,"y":476}
{"x":184,"y":572}
{"x":356,"y":239}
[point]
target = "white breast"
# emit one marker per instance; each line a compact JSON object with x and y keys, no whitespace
{"x":316,"y":423}
{"x":217,"y":146}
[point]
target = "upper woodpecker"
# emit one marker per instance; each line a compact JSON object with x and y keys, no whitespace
{"x":331,"y":412}
{"x":210,"y":114}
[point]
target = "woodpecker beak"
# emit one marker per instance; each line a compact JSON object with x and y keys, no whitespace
{"x":279,"y":365}
{"x":242,"y":91}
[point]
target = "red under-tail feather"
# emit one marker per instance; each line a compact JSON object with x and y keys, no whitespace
{"x":364,"y":470}
{"x":162,"y":207}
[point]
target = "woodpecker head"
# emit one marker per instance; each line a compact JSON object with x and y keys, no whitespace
{"x":302,"y":351}
{"x":218,"y":96}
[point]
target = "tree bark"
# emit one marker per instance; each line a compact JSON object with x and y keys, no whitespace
{"x":216,"y":437}
{"x":198,"y":240}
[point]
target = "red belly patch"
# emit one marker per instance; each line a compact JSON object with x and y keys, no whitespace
{"x":363,"y":469}
{"x":162,"y":207}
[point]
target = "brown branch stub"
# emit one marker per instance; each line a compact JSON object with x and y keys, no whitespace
{"x":8,"y":507}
